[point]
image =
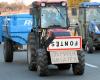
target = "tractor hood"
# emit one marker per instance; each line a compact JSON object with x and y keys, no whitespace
{"x":54,"y":33}
{"x":59,"y":32}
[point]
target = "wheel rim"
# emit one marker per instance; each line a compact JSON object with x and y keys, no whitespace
{"x":87,"y":48}
{"x":38,"y":68}
{"x":94,"y":49}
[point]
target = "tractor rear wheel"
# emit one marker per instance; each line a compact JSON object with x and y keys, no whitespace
{"x":89,"y":46}
{"x":42,"y":62}
{"x":78,"y":68}
{"x":8,"y":50}
{"x":31,"y":52}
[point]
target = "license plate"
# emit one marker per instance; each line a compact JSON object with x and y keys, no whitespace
{"x":58,"y":57}
{"x":65,"y":43}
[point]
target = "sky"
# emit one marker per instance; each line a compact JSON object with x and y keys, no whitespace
{"x":27,"y":2}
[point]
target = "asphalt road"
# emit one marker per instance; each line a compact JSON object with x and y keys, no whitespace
{"x":18,"y":69}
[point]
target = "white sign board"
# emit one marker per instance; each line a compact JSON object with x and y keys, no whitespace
{"x":65,"y":43}
{"x":60,"y":57}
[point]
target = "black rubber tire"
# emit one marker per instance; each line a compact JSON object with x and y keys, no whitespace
{"x":8,"y":50}
{"x":31,"y":52}
{"x":42,"y":62}
{"x":78,"y":68}
{"x":64,"y":66}
{"x":89,"y":45}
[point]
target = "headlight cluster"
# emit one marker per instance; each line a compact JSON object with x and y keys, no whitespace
{"x":63,"y":4}
{"x":43,"y":4}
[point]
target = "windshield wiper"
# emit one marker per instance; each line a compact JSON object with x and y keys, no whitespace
{"x":59,"y":12}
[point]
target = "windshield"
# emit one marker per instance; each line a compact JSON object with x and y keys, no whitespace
{"x":51,"y":16}
{"x":93,"y":14}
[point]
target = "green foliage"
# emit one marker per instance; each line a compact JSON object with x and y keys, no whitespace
{"x":3,"y":4}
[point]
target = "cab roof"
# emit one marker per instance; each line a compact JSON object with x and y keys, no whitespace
{"x":50,"y":1}
{"x":88,"y":4}
{"x":37,"y":3}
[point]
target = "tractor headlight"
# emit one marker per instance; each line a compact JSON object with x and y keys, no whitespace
{"x":43,"y":4}
{"x":63,"y":4}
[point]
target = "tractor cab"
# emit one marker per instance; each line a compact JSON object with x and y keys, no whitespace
{"x":89,"y":19}
{"x":50,"y":15}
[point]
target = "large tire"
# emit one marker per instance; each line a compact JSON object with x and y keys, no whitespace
{"x":8,"y":50}
{"x":78,"y":68}
{"x":42,"y":62}
{"x":89,"y":46}
{"x":64,"y":66}
{"x":31,"y":52}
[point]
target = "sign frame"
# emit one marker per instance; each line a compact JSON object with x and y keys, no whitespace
{"x":68,"y":37}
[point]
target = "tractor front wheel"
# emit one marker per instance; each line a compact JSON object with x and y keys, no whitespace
{"x":89,"y":46}
{"x":42,"y":62}
{"x":78,"y":68}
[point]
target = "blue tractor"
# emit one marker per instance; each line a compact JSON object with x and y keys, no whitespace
{"x":15,"y":29}
{"x":89,"y":22}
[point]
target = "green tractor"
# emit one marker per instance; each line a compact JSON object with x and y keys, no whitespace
{"x":89,"y":22}
{"x":53,"y":41}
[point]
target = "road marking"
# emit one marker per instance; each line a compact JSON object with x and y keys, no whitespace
{"x":90,"y":65}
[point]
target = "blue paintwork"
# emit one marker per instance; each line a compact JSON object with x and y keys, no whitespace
{"x":1,"y":26}
{"x":93,"y":27}
{"x":18,"y":27}
{"x":20,"y":23}
{"x":87,"y":4}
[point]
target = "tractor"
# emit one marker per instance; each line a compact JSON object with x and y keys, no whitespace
{"x":52,"y":41}
{"x":89,"y":21}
